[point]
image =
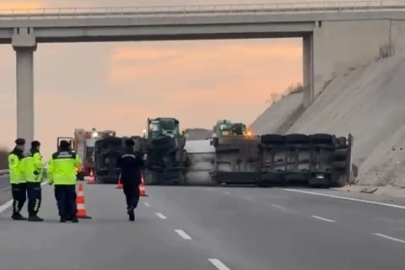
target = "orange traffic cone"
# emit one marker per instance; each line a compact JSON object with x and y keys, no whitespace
{"x":81,"y":209}
{"x":91,"y":178}
{"x":142,"y":189}
{"x":119,"y":184}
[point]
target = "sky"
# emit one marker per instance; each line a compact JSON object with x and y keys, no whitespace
{"x":119,"y":85}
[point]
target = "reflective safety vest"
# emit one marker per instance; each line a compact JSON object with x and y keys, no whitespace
{"x":33,"y":166}
{"x":15,"y":167}
{"x":62,"y":168}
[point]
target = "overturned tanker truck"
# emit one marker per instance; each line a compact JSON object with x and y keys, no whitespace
{"x":240,"y":158}
{"x":317,"y":160}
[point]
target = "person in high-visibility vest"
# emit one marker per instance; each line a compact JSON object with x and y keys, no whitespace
{"x":17,"y":178}
{"x":33,"y":167}
{"x":62,"y":173}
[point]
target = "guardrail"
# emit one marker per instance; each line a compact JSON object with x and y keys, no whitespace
{"x":190,"y":10}
{"x":4,"y":172}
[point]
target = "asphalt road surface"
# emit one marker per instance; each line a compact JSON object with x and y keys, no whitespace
{"x":204,"y":228}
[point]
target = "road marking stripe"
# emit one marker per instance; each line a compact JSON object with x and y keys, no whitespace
{"x":390,"y":238}
{"x":147,"y":204}
{"x":278,"y":206}
{"x":346,"y":198}
{"x":227,"y":193}
{"x":218,"y":264}
{"x":183,"y":234}
{"x":161,"y":215}
{"x":324,"y":219}
{"x":9,"y":203}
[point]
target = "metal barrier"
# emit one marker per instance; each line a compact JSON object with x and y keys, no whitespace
{"x":4,"y":172}
{"x":195,"y":10}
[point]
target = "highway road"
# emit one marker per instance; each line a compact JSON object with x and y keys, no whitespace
{"x":208,"y":228}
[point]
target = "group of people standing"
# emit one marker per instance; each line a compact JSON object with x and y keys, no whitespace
{"x":26,"y":175}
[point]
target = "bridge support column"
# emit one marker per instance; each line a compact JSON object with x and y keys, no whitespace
{"x":308,"y":69}
{"x":24,"y":44}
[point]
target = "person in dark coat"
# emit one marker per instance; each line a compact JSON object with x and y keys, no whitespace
{"x":130,"y":163}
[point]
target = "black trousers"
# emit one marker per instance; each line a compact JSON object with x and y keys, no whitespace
{"x":65,"y":196}
{"x":19,"y":192}
{"x":131,"y":195}
{"x":34,"y":193}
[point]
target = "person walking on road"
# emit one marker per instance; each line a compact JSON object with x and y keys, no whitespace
{"x":62,"y":174}
{"x":17,"y":178}
{"x":33,"y":166}
{"x":130,"y":164}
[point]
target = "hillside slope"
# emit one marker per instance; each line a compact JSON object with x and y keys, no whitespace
{"x":277,"y":114}
{"x":369,"y":103}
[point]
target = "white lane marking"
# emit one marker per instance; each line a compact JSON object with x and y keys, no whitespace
{"x":347,"y":198}
{"x":227,"y":193}
{"x":389,"y":238}
{"x":161,"y":215}
{"x":147,"y":204}
{"x":324,"y":219}
{"x":218,"y":264}
{"x":249,"y":199}
{"x":9,"y":203}
{"x":183,"y":234}
{"x":279,"y":207}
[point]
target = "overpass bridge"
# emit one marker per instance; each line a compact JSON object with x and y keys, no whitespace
{"x":336,"y":35}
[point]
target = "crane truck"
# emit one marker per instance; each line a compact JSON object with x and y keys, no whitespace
{"x":83,"y":143}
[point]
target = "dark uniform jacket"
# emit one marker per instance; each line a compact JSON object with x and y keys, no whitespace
{"x":130,"y":163}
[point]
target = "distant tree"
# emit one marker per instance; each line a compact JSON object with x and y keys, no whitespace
{"x":294,"y":88}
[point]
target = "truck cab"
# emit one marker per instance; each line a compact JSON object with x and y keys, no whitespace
{"x":159,"y":127}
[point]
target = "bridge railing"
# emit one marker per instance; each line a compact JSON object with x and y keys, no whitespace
{"x":195,"y":10}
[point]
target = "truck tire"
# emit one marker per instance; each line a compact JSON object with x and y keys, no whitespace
{"x":272,"y":139}
{"x":322,"y":138}
{"x":296,"y":138}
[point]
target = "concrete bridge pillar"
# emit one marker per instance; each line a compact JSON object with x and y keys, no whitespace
{"x":24,"y":44}
{"x":308,"y":70}
{"x":311,"y":47}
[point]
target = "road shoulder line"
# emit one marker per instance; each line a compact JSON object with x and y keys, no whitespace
{"x":9,"y":203}
{"x":346,"y":198}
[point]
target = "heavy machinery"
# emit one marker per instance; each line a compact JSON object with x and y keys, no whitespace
{"x":236,"y":153}
{"x":167,"y":160}
{"x":83,"y":143}
{"x":317,"y":160}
